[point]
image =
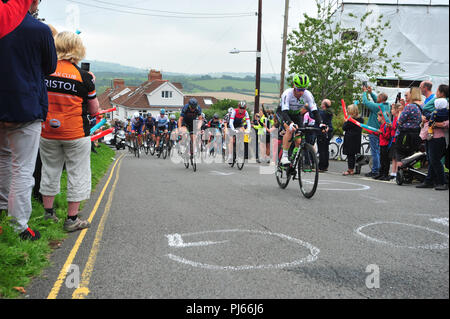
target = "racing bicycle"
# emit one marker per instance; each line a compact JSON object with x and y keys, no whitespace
{"x":303,"y":166}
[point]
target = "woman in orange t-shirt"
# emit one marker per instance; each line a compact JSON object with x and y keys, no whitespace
{"x":65,"y":134}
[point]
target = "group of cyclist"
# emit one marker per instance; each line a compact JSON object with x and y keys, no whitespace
{"x":294,"y":103}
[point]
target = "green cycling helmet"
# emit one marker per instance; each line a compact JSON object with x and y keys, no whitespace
{"x":301,"y":81}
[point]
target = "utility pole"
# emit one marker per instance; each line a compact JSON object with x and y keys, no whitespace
{"x":283,"y":51}
{"x":258,"y":58}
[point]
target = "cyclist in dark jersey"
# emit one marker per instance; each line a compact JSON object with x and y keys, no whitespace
{"x":149,"y":123}
{"x":189,"y":114}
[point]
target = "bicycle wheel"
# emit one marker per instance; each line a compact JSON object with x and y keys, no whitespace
{"x":282,"y":175}
{"x":365,"y":148}
{"x":146,"y":148}
{"x":193,"y":163}
{"x":308,"y":173}
{"x":138,"y":148}
{"x":333,"y":151}
{"x":134,"y":147}
{"x":152,"y":148}
{"x":186,"y":159}
{"x":164,"y":151}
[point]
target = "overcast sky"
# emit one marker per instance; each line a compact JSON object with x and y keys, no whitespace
{"x":178,"y":44}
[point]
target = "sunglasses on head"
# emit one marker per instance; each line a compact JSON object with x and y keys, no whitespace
{"x":299,"y":90}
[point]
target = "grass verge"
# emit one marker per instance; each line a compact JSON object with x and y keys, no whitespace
{"x":21,"y":260}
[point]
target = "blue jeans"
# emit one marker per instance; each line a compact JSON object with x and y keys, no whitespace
{"x":435,"y":151}
{"x":375,"y":152}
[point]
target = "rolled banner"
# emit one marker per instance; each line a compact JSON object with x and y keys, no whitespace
{"x":385,"y":115}
{"x":104,"y":111}
{"x":101,"y":134}
{"x":364,"y":126}
{"x":344,"y":109}
{"x":97,"y":126}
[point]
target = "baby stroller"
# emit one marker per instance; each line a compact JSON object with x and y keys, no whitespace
{"x":406,"y":173}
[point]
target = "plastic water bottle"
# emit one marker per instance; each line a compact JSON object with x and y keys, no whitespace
{"x":294,"y":152}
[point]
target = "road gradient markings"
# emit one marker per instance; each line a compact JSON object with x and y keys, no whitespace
{"x":83,"y":290}
{"x":63,"y":273}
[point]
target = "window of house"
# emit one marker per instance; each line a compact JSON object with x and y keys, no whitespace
{"x":166,"y":94}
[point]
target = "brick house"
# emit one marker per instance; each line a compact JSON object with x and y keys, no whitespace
{"x":151,"y":96}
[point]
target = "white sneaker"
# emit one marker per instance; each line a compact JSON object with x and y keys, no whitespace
{"x":285,"y":160}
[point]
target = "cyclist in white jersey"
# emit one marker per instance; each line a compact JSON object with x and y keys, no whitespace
{"x":293,"y":103}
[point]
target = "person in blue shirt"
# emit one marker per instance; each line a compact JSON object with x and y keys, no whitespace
{"x":379,"y":103}
{"x":27,"y":55}
{"x":162,"y":126}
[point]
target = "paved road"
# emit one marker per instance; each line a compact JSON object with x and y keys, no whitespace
{"x":168,"y":232}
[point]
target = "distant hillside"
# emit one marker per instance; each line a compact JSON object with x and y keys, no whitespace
{"x":111,"y":67}
{"x":100,"y":66}
{"x":214,"y":82}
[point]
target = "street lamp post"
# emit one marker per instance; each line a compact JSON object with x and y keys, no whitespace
{"x":258,"y":58}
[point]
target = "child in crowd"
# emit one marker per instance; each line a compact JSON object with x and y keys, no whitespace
{"x":440,"y":114}
{"x":385,"y":143}
{"x":309,"y":121}
{"x":352,"y":138}
{"x":396,"y":109}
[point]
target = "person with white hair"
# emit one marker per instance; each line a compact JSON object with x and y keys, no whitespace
{"x":65,"y":136}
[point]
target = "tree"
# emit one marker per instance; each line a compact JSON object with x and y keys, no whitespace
{"x":335,"y":57}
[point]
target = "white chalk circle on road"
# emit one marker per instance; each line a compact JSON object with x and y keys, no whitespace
{"x":175,"y":240}
{"x":359,"y":187}
{"x":443,"y":245}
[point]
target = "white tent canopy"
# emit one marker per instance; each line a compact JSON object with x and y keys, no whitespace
{"x":419,"y":30}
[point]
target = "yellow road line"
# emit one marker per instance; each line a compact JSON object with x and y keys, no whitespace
{"x":62,"y":275}
{"x":83,"y":290}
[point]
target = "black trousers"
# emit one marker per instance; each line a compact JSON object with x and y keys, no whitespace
{"x":324,"y":154}
{"x":384,"y":160}
{"x":351,"y":161}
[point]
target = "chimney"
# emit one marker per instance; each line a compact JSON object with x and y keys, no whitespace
{"x":154,"y":75}
{"x":118,"y":83}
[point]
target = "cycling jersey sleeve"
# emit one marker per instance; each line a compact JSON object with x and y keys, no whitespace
{"x":309,"y":98}
{"x":285,"y":101}
{"x":247,"y":119}
{"x":183,"y":111}
{"x":232,"y":116}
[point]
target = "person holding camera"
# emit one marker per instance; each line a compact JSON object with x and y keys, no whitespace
{"x":65,"y":134}
{"x":379,"y":104}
